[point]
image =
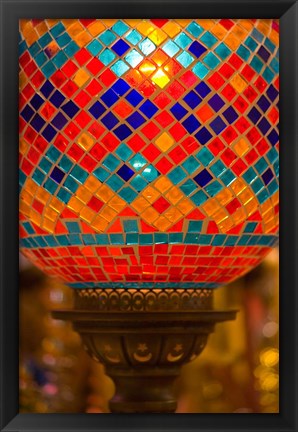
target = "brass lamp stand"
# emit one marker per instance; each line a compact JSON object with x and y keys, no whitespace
{"x":143,"y":337}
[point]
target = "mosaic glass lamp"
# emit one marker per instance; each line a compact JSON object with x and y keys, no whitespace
{"x":148,"y":177}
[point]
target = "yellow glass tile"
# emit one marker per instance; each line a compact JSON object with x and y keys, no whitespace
{"x":24,"y":208}
{"x":225,"y":225}
{"x":83,"y":194}
{"x":95,"y":28}
{"x":108,"y":213}
{"x":145,"y":28}
{"x":205,"y":23}
{"x":99,"y":224}
{"x":150,"y":193}
{"x":251,"y":206}
{"x":150,"y":215}
{"x":35,"y":217}
{"x":87,"y":214}
{"x":173,"y":214}
{"x":241,"y":147}
{"x":75,"y":204}
{"x":163,"y":184}
{"x":22,"y":80}
{"x":92,"y":184}
{"x":140,"y":204}
{"x":224,"y":196}
{"x":245,"y":196}
{"x":162,"y":223}
{"x":26,"y":197}
{"x":51,"y":214}
{"x":159,"y":57}
{"x":164,"y":142}
{"x":147,"y":68}
{"x":157,"y":36}
{"x":117,"y":203}
{"x":23,"y":146}
{"x":105,"y":193}
{"x":85,"y":141}
{"x":219,"y":31}
{"x":75,"y":29}
{"x":81,"y":77}
{"x":30,"y":186}
{"x":238,"y":83}
{"x":160,"y":78}
{"x":210,"y":206}
{"x":232,"y":41}
{"x":83,"y":38}
{"x":174,"y":195}
{"x":57,"y":205}
{"x":238,"y":186}
{"x":171,"y":28}
{"x":42,"y":195}
{"x":48,"y":225}
{"x":239,"y":32}
{"x":185,"y":206}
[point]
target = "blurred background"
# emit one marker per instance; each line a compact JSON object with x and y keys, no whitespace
{"x":236,"y":373}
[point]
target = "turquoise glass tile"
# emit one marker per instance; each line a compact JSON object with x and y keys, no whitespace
{"x":147,"y":46}
{"x":199,"y":197}
{"x":138,"y":183}
{"x":177,"y":175}
{"x":208,"y":39}
{"x":107,"y":37}
{"x":124,"y":152}
{"x":101,"y":174}
{"x":256,"y":64}
{"x":111,"y":162}
{"x":194,"y":29}
{"x":115,"y":182}
{"x":150,"y":173}
{"x":183,"y":40}
{"x":243,"y":52}
{"x":200,"y":70}
{"x":268,"y":75}
{"x":120,"y":28}
{"x":53,"y":154}
{"x":195,"y":226}
{"x":185,"y":59}
{"x":50,"y":186}
{"x":138,"y":162}
{"x":60,"y":59}
{"x":133,"y":58}
{"x":133,"y":37}
{"x":205,"y":156}
{"x":63,"y":40}
{"x":107,"y":56}
{"x":188,"y":187}
{"x":222,"y":51}
{"x":251,"y":44}
{"x":218,"y":168}
{"x":71,"y":49}
{"x":213,"y":188}
{"x":211,"y":60}
{"x":120,"y":67}
{"x":131,"y":226}
{"x":128,"y":194}
{"x":191,"y":165}
{"x":170,"y":48}
{"x":227,"y":177}
{"x":94,"y":47}
{"x":64,"y":195}
{"x":48,"y":69}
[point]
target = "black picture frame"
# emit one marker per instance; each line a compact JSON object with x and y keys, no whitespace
{"x":11,"y":12}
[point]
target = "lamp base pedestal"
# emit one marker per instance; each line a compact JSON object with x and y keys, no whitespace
{"x":143,"y":350}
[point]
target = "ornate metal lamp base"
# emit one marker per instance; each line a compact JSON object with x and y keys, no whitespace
{"x":143,"y":338}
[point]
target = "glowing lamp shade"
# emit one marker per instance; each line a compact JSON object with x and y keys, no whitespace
{"x":148,"y":149}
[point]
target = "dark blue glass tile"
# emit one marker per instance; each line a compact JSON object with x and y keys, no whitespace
{"x":197,"y":49}
{"x":59,"y":121}
{"x":254,"y":115}
{"x":125,"y":172}
{"x":263,"y":103}
{"x":120,"y":87}
{"x":135,"y":120}
{"x":178,"y":111}
{"x":267,"y":176}
{"x":97,"y":109}
{"x":230,"y":115}
{"x":273,"y":137}
{"x":202,"y":89}
{"x":263,"y":53}
{"x":49,"y":132}
{"x":122,"y":132}
{"x":27,"y":113}
{"x":109,"y":98}
{"x":57,"y":175}
{"x":57,"y":99}
{"x":264,"y":125}
{"x":109,"y":120}
{"x":216,"y":102}
{"x":148,"y":108}
{"x":37,"y":122}
{"x":192,"y":99}
{"x":272,"y":93}
{"x":36,"y":101}
{"x":120,"y":47}
{"x":203,"y":136}
{"x":191,"y":123}
{"x":47,"y":88}
{"x":203,"y":178}
{"x":70,"y":108}
{"x":218,"y":125}
{"x":134,"y":98}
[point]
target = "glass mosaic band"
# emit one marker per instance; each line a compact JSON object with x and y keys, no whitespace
{"x":149,"y":149}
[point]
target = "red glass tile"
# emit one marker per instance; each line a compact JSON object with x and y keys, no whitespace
{"x":61,"y":142}
{"x":93,"y":88}
{"x":75,"y":152}
{"x":229,"y":134}
{"x":240,"y":104}
{"x":58,"y":79}
{"x":98,"y":151}
{"x":250,"y":94}
{"x":96,"y":130}
{"x":110,"y":141}
{"x":176,"y":90}
{"x":108,"y":77}
{"x":69,"y":88}
{"x":28,"y":91}
{"x":40,"y":143}
{"x":188,"y":79}
{"x":82,"y":56}
{"x":228,"y":156}
{"x":150,"y":130}
{"x":239,"y":167}
{"x":253,"y":136}
{"x":69,"y":68}
{"x":71,"y":130}
{"x":177,"y":131}
{"x":162,"y":100}
{"x":164,"y":118}
{"x":248,"y":73}
{"x":228,"y":92}
{"x":147,"y":88}
{"x":251,"y":156}
{"x":94,"y":66}
{"x":24,"y":59}
{"x":190,"y":145}
{"x":30,"y":135}
{"x":37,"y":79}
{"x":172,"y":67}
{"x":95,"y":204}
{"x":226,"y":70}
{"x":82,"y":98}
{"x":273,"y":115}
{"x":164,"y":165}
{"x":159,"y":22}
{"x":216,"y":80}
{"x":47,"y":111}
{"x":235,"y":61}
{"x":82,"y":119}
{"x":136,"y":143}
{"x":134,"y":77}
{"x":262,"y":146}
{"x":242,"y":124}
{"x":27,"y":166}
{"x":151,"y":152}
{"x":33,"y":155}
{"x":260,"y":84}
{"x":88,"y":163}
{"x":226,"y":23}
{"x":177,"y":154}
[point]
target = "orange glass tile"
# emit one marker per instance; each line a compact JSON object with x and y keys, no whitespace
{"x":147,"y":68}
{"x":123,"y":109}
{"x":159,"y":57}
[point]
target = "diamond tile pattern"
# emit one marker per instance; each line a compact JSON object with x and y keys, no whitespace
{"x":149,"y":149}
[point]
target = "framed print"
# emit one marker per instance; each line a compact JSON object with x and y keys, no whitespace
{"x":149,"y":139}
